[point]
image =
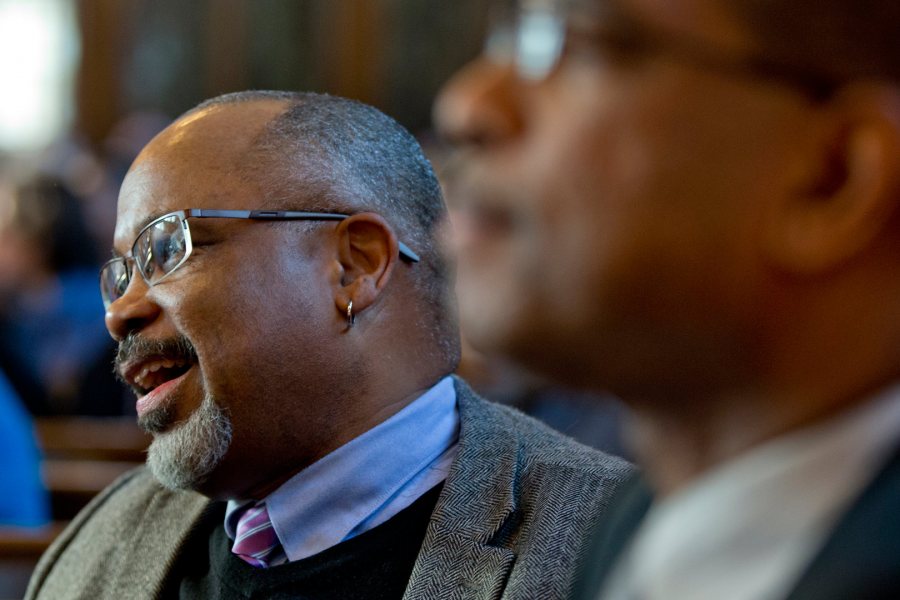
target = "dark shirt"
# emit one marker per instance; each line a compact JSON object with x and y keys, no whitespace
{"x":373,"y":565}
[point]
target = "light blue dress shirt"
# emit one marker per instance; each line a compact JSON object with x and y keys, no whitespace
{"x":366,"y":481}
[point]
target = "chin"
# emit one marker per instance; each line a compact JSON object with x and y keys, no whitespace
{"x":565,"y":362}
{"x":493,"y":327}
{"x":188,"y":453}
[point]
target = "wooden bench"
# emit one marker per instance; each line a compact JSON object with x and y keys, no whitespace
{"x":83,"y":455}
{"x":115,"y":438}
{"x":20,"y":549}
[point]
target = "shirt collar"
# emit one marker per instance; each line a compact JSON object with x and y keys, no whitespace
{"x":750,"y":525}
{"x":366,"y":480}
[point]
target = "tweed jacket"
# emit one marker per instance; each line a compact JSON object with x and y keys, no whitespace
{"x":511,"y":521}
{"x":859,"y":559}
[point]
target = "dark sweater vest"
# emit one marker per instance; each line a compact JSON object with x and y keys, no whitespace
{"x":373,"y":565}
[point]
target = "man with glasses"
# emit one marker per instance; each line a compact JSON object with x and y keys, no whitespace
{"x":286,"y":319}
{"x":695,"y":204}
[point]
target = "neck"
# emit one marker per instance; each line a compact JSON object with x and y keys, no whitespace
{"x":805,"y":360}
{"x":373,"y":405}
{"x":678,"y":442}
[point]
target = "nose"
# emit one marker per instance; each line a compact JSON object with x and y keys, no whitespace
{"x":131,"y":312}
{"x":480,"y":105}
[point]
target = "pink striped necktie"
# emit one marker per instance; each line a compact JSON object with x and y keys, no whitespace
{"x":255,"y":539}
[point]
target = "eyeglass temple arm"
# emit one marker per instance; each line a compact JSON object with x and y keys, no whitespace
{"x":287,"y":215}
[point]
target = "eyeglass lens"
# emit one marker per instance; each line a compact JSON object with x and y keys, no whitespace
{"x":160,"y":248}
{"x":158,"y":251}
{"x":114,"y":280}
{"x":530,"y":34}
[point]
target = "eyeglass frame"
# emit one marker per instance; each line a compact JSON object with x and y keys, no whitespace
{"x":406,"y":252}
{"x":520,"y":43}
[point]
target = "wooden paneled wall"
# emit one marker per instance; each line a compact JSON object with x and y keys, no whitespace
{"x":170,"y":54}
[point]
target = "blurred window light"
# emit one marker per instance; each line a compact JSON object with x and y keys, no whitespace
{"x":39,"y":52}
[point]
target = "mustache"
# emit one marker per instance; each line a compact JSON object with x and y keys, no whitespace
{"x":136,"y":348}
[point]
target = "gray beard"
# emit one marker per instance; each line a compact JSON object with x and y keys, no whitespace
{"x":184,"y":457}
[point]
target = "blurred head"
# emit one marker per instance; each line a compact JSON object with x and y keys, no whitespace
{"x":42,"y":233}
{"x":243,"y":359}
{"x":23,"y":259}
{"x":651,"y":190}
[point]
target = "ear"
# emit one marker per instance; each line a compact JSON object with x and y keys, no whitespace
{"x":851,"y":188}
{"x":368,"y":250}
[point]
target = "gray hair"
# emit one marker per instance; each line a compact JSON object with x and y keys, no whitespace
{"x":344,"y":156}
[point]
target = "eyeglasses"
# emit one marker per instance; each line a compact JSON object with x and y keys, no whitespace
{"x":165,"y":244}
{"x":534,"y":35}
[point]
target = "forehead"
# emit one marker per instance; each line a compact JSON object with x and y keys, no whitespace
{"x":194,"y":163}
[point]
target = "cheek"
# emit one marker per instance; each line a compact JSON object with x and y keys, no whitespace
{"x":584,"y":208}
{"x":241,"y":319}
{"x":614,"y":223}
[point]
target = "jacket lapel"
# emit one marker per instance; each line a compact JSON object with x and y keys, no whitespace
{"x":861,"y":558}
{"x":611,"y":536}
{"x":464,"y":547}
{"x":164,"y":527}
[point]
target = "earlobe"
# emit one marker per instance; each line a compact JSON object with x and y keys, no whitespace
{"x":853,"y":194}
{"x":368,"y":250}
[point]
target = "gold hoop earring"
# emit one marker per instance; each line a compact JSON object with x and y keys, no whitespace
{"x":351,"y":318}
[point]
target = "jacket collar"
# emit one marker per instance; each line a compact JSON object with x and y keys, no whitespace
{"x":861,"y":558}
{"x":168,"y":521}
{"x":466,"y":543}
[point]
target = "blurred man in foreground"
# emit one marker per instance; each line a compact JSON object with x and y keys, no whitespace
{"x":286,"y":321}
{"x":695,"y":204}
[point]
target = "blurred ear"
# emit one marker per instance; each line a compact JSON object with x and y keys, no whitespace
{"x":367,"y":250}
{"x":852,"y":185}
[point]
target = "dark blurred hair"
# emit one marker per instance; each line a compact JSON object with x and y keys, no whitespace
{"x":842,"y":39}
{"x":47,"y":212}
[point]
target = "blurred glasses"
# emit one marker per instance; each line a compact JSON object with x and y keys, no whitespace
{"x":535,"y":35}
{"x":165,"y":244}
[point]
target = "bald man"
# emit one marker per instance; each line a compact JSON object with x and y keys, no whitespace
{"x":286,"y":320}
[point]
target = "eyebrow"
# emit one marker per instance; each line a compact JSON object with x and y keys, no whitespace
{"x":140,"y":227}
{"x":619,"y":19}
{"x":143,"y":224}
{"x":608,"y":10}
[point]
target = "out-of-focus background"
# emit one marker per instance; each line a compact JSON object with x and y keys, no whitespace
{"x":85,"y":84}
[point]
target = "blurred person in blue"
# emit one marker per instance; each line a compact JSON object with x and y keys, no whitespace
{"x":23,"y":499}
{"x":695,"y":204}
{"x":53,"y":344}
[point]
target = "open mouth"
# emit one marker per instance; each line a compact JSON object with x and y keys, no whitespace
{"x":492,"y":219}
{"x":155,"y":373}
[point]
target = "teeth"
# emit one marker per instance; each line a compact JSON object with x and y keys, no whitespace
{"x":141,"y":378}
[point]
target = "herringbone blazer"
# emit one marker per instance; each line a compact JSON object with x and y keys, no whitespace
{"x":511,"y":521}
